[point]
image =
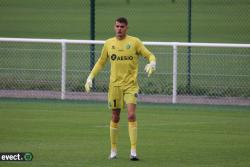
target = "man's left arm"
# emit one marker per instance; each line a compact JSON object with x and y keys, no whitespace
{"x":142,"y":50}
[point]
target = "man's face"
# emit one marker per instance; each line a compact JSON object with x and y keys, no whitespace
{"x":120,"y":30}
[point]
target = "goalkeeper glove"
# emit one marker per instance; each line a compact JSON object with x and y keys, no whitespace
{"x":88,"y":84}
{"x":150,"y":68}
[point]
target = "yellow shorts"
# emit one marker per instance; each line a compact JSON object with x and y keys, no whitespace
{"x":118,"y":95}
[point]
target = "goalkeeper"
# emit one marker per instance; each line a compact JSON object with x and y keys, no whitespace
{"x":123,"y":52}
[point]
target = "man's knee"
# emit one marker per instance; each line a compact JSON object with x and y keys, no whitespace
{"x":131,"y":117}
{"x":116,"y":115}
{"x":115,"y":119}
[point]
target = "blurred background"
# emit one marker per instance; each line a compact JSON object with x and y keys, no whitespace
{"x":158,"y":20}
{"x":202,"y":71}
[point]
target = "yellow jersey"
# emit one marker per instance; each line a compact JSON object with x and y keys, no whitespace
{"x":123,"y":56}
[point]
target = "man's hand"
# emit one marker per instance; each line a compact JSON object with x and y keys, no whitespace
{"x":150,"y":68}
{"x":88,"y":84}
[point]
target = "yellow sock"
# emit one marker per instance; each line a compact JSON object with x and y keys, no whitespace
{"x":113,"y":134}
{"x":132,"y":129}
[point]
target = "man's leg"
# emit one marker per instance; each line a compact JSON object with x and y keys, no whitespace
{"x":132,"y":129}
{"x":114,"y":132}
{"x":114,"y":100}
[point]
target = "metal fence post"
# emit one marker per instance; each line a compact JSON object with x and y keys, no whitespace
{"x":92,"y":37}
{"x":63,"y":70}
{"x":174,"y":73}
{"x":189,"y":48}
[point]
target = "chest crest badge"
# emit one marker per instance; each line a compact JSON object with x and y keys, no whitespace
{"x":128,"y":46}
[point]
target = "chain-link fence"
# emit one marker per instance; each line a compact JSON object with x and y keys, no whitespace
{"x":218,"y":74}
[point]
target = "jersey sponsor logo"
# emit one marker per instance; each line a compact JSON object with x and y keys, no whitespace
{"x":118,"y":58}
{"x":113,"y":56}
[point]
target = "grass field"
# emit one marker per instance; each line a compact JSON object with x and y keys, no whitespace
{"x":76,"y":133}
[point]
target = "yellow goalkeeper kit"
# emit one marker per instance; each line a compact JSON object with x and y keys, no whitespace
{"x":123,"y":56}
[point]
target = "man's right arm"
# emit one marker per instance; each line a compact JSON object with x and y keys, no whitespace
{"x":97,"y":68}
{"x":100,"y":63}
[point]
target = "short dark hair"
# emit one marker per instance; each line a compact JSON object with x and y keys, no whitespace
{"x":122,"y":20}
